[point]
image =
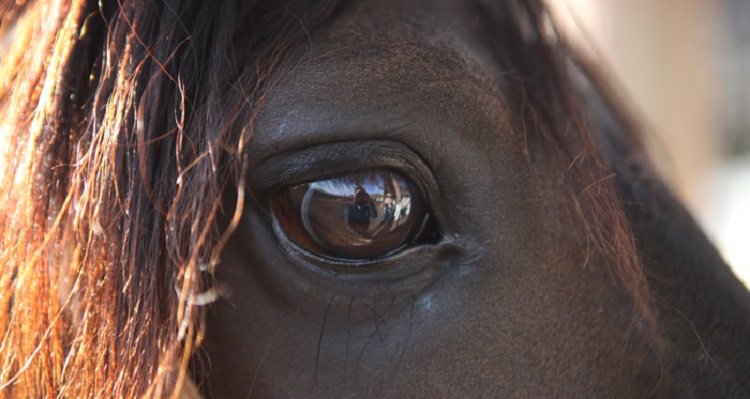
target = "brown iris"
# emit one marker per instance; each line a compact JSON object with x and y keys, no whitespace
{"x":354,"y":216}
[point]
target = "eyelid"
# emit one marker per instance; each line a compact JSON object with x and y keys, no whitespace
{"x":330,"y":159}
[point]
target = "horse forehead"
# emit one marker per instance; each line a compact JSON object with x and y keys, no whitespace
{"x":388,"y":69}
{"x":395,"y":44}
{"x":367,"y":90}
{"x":377,"y":50}
{"x":383,"y":84}
{"x":403,"y":19}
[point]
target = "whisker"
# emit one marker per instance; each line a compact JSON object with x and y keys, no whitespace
{"x":348,"y":340}
{"x":262,"y":361}
{"x":408,"y":336}
{"x":320,"y":341}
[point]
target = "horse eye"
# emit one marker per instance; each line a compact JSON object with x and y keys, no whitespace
{"x":354,"y":216}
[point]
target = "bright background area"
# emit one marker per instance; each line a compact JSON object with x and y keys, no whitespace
{"x":685,"y":65}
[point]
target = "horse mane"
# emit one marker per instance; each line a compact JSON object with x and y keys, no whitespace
{"x":123,"y":125}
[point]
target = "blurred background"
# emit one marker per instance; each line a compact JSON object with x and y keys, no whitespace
{"x":685,"y":66}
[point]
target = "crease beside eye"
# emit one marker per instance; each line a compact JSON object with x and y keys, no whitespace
{"x":354,"y":216}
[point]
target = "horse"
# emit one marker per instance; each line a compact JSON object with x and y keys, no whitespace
{"x":176,"y":177}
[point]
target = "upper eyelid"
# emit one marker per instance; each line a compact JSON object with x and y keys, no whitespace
{"x":330,"y":159}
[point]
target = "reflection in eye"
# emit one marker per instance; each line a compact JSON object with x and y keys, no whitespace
{"x":354,"y":216}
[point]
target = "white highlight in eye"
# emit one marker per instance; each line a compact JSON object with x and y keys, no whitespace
{"x":425,"y":302}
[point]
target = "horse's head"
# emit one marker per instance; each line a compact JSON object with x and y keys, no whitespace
{"x":370,"y":199}
{"x":530,"y":284}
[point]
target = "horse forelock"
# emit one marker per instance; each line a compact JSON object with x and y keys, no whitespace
{"x":129,"y":109}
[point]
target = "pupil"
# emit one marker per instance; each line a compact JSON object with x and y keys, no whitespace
{"x":355,"y":216}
